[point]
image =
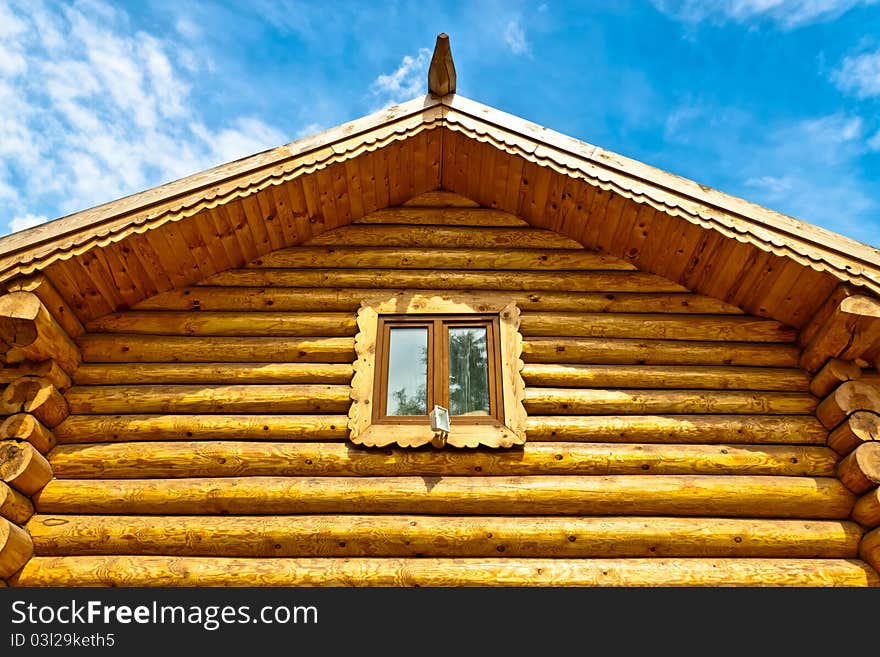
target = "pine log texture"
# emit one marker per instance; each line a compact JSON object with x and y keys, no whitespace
{"x":656,"y":352}
{"x":48,"y":369}
{"x":268,"y":324}
{"x":834,"y":372}
{"x":439,"y":236}
{"x":16,"y":548}
{"x":454,"y":216}
{"x":208,"y":373}
{"x":239,"y":299}
{"x":866,"y":510}
{"x":570,"y":401}
{"x":431,"y":279}
{"x":224,"y":571}
{"x":846,"y":399}
{"x":37,"y":396}
{"x":441,"y":72}
{"x":662,"y":376}
{"x":14,"y":506}
{"x":869,"y":550}
{"x":860,"y":471}
{"x":235,"y":458}
{"x":459,"y":536}
{"x":851,"y":332}
{"x":42,"y":287}
{"x":648,"y":495}
{"x":691,"y":429}
{"x":32,"y":333}
{"x":860,"y":427}
{"x":123,"y":428}
{"x":117,"y":348}
{"x":25,"y":427}
{"x":23,"y":467}
{"x":389,"y":257}
{"x":715,"y":328}
{"x":294,"y":398}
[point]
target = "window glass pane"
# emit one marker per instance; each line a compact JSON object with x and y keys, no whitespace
{"x":468,"y":371}
{"x":408,"y":371}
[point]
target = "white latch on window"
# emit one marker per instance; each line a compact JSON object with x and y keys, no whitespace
{"x":439,"y":425}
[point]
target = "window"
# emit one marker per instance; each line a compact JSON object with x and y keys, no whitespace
{"x":450,"y":360}
{"x":460,"y":351}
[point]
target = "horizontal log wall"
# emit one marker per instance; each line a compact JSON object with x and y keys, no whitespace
{"x":208,"y":426}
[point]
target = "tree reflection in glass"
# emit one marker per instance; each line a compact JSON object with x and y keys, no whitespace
{"x":408,"y":374}
{"x":468,"y":371}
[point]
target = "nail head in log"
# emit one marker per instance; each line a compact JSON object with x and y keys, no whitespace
{"x":848,"y":398}
{"x":441,"y":74}
{"x":834,"y":373}
{"x":860,"y":471}
{"x":24,"y":426}
{"x":14,"y":506}
{"x":23,"y":467}
{"x":33,"y":334}
{"x":860,"y":427}
{"x":37,"y":396}
{"x":16,"y":548}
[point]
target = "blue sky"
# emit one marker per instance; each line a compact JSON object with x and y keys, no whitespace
{"x":776,"y":101}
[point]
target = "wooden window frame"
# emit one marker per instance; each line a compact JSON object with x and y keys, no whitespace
{"x":369,"y":426}
{"x":437,"y":384}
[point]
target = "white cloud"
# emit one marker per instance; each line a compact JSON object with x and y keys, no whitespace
{"x":787,"y":14}
{"x":515,"y":38}
{"x":407,"y":81}
{"x":859,"y":75}
{"x":772,"y":186}
{"x":101,"y":112}
{"x":26,"y":221}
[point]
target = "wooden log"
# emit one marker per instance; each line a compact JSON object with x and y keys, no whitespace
{"x":296,"y":398}
{"x":33,"y":334}
{"x":119,"y":428}
{"x":656,"y":326}
{"x":440,"y":199}
{"x":685,"y":495}
{"x":226,"y":323}
{"x":37,"y":396}
{"x":432,"y":279}
{"x":116,"y":348}
{"x":852,"y":330}
{"x":866,"y":510}
{"x":570,"y":401}
{"x":834,"y":372}
{"x":869,"y":549}
{"x":858,"y":428}
{"x":406,"y":215}
{"x":691,"y":429}
{"x":16,"y":548}
{"x":235,"y":458}
{"x":48,"y":369}
{"x":846,"y":399}
{"x":25,"y":427}
{"x":860,"y":471}
{"x":23,"y":467}
{"x":14,"y":506}
{"x":389,"y":257}
{"x":661,"y":376}
{"x":656,"y":352}
{"x":164,"y":571}
{"x":459,"y":536}
{"x":42,"y":287}
{"x":469,"y":237}
{"x":131,"y":373}
{"x":334,"y":299}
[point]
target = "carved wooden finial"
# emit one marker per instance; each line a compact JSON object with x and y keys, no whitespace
{"x":441,"y":74}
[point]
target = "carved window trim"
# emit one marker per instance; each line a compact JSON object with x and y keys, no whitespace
{"x":507,"y":433}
